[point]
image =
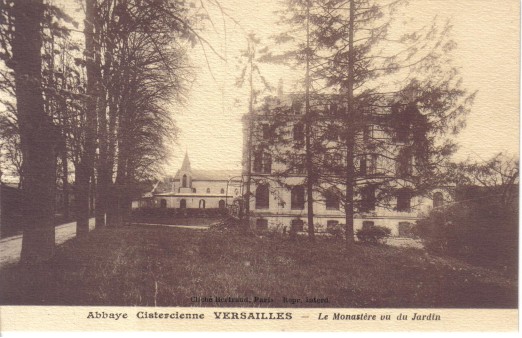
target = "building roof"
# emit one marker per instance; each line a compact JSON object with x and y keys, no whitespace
{"x":212,"y":175}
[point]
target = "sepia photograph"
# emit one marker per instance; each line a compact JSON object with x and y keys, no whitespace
{"x":263,"y":161}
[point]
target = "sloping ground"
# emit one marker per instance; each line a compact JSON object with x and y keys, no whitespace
{"x":146,"y":265}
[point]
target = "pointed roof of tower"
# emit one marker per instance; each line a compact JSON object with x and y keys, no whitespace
{"x":186,"y":163}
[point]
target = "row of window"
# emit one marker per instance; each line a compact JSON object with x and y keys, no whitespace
{"x":297,"y":198}
{"x":184,"y":184}
{"x":368,"y":164}
{"x":298,"y":132}
{"x":401,"y":133}
{"x":367,"y":203}
{"x":183,"y":204}
{"x":194,"y":190}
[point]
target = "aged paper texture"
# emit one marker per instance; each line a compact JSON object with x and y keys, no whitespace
{"x":279,"y":165}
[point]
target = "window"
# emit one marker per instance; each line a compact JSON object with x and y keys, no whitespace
{"x":267,"y":164}
{"x":404,"y":200}
{"x":163,"y":203}
{"x":402,"y":121}
{"x":266,"y":131}
{"x":184,"y":181}
{"x":297,"y":197}
{"x":333,"y":163}
{"x":331,"y":224}
{"x":222,"y":190}
{"x":438,"y":200}
{"x":298,"y":132}
{"x":258,"y":162}
{"x":368,"y":198}
{"x":221,"y":204}
{"x":297,"y":166}
{"x":262,"y":197}
{"x":297,"y":106}
{"x":362,"y":166}
{"x":372,"y":168}
{"x":297,"y":225}
{"x":261,"y":224}
{"x":194,"y":190}
{"x":262,"y":162}
{"x":367,"y":133}
{"x":404,"y":163}
{"x":208,"y":190}
{"x":367,"y":225}
{"x":183,"y":204}
{"x":406,"y":229}
{"x":202,"y":204}
{"x":331,"y":199}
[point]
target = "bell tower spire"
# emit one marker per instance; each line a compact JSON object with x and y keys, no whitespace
{"x":185,"y":179}
{"x":186,"y":163}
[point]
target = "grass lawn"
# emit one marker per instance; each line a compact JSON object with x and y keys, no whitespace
{"x":153,"y":265}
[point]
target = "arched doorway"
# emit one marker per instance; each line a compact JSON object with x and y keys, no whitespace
{"x":221,"y":204}
{"x":183,"y":204}
{"x":202,"y":204}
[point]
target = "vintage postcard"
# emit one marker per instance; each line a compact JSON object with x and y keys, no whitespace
{"x":277,"y":165}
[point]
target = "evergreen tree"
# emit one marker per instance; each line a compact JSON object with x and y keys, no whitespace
{"x":389,"y":104}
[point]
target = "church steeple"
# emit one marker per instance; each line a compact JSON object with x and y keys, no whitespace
{"x":185,"y":179}
{"x":185,"y":167}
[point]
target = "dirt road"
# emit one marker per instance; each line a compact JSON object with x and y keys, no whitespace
{"x":11,"y":247}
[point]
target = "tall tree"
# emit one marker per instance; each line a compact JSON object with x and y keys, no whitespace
{"x":403,"y":100}
{"x":143,"y":71}
{"x":38,"y":135}
{"x":298,"y":18}
{"x":392,"y":101}
{"x":249,"y":72}
{"x":85,"y":166}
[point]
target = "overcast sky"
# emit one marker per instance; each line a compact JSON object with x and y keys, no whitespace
{"x":487,"y":34}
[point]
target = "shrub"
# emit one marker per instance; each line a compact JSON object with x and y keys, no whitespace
{"x":373,"y":234}
{"x":336,"y":231}
{"x":483,"y":233}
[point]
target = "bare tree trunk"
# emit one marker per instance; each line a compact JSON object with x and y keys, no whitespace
{"x":249,"y":147}
{"x":308,"y":134}
{"x":38,"y":135}
{"x":83,"y":172}
{"x":65,"y":181}
{"x":110,"y":161}
{"x":350,"y":137}
{"x":117,"y":204}
{"x":81,"y":199}
{"x":103,"y":169}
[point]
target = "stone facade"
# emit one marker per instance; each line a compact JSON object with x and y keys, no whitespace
{"x":278,"y":201}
